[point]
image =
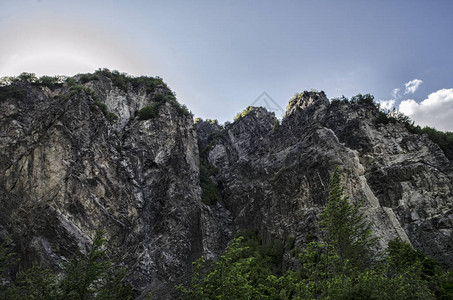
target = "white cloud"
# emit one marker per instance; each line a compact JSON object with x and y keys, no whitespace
{"x":387,"y":104}
{"x":436,"y":111}
{"x":412,"y":86}
{"x":396,"y":93}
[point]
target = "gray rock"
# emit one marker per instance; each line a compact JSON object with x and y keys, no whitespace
{"x":67,"y":172}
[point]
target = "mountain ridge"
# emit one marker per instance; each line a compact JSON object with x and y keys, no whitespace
{"x":76,"y":157}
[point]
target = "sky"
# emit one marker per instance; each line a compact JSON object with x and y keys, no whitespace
{"x":221,"y":56}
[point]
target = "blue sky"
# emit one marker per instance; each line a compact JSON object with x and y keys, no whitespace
{"x":219,"y":56}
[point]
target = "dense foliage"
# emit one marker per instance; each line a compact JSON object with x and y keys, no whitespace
{"x":84,"y":277}
{"x":344,"y":264}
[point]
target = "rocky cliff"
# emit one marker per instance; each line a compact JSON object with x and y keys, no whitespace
{"x":274,"y":178}
{"x":79,"y":156}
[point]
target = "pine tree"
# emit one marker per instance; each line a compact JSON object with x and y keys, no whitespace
{"x":93,"y":276}
{"x":347,"y":233}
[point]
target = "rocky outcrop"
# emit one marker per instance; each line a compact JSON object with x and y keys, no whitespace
{"x":275,"y":179}
{"x":77,"y":158}
{"x":68,"y":171}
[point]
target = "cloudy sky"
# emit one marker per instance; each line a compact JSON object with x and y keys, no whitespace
{"x":219,"y":56}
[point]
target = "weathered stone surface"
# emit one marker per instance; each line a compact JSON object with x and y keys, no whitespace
{"x":66,"y":171}
{"x":276,"y":181}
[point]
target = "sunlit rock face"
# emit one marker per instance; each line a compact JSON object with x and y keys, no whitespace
{"x":67,"y":170}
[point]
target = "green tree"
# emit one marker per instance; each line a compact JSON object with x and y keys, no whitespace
{"x":34,"y":283}
{"x":345,"y":229}
{"x":84,"y":277}
{"x":228,"y":278}
{"x":87,"y":277}
{"x":343,"y":265}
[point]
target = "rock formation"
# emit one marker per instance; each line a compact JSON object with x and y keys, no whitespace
{"x":77,"y":159}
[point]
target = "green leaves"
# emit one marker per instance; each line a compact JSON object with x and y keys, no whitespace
{"x":84,"y":277}
{"x":344,"y":265}
{"x":227,"y":278}
{"x":245,"y":112}
{"x":346,"y":230}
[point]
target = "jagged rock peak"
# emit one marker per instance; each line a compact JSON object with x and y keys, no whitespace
{"x":253,"y":119}
{"x":76,"y":156}
{"x":306,"y":100}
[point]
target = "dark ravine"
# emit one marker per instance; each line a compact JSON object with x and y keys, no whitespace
{"x":67,"y":171}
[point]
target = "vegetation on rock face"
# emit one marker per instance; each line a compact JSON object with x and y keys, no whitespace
{"x":149,"y":112}
{"x":443,"y":139}
{"x":276,"y":125}
{"x":345,"y":264}
{"x":245,"y":112}
{"x":51,"y":82}
{"x":110,"y":116}
{"x":9,"y":85}
{"x":76,"y":89}
{"x":124,"y":81}
{"x":84,"y":277}
{"x":209,"y":192}
{"x":11,"y":91}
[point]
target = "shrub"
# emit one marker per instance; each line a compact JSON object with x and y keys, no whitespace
{"x":382,"y":118}
{"x":71,"y":81}
{"x":91,"y":93}
{"x":245,"y":112}
{"x":149,"y":112}
{"x":102,"y":106}
{"x":120,"y":80}
{"x":159,"y":97}
{"x":76,"y":89}
{"x":28,"y":77}
{"x":181,"y":108}
{"x":341,"y":99}
{"x":51,"y":82}
{"x":276,"y":125}
{"x":6,"y":80}
{"x":212,"y":121}
{"x":11,"y":91}
{"x":363,"y":99}
{"x":110,"y":116}
{"x":149,"y":83}
{"x":85,"y":78}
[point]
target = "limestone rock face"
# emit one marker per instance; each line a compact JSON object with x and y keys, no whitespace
{"x":275,"y":179}
{"x":68,"y":168}
{"x":67,"y":172}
